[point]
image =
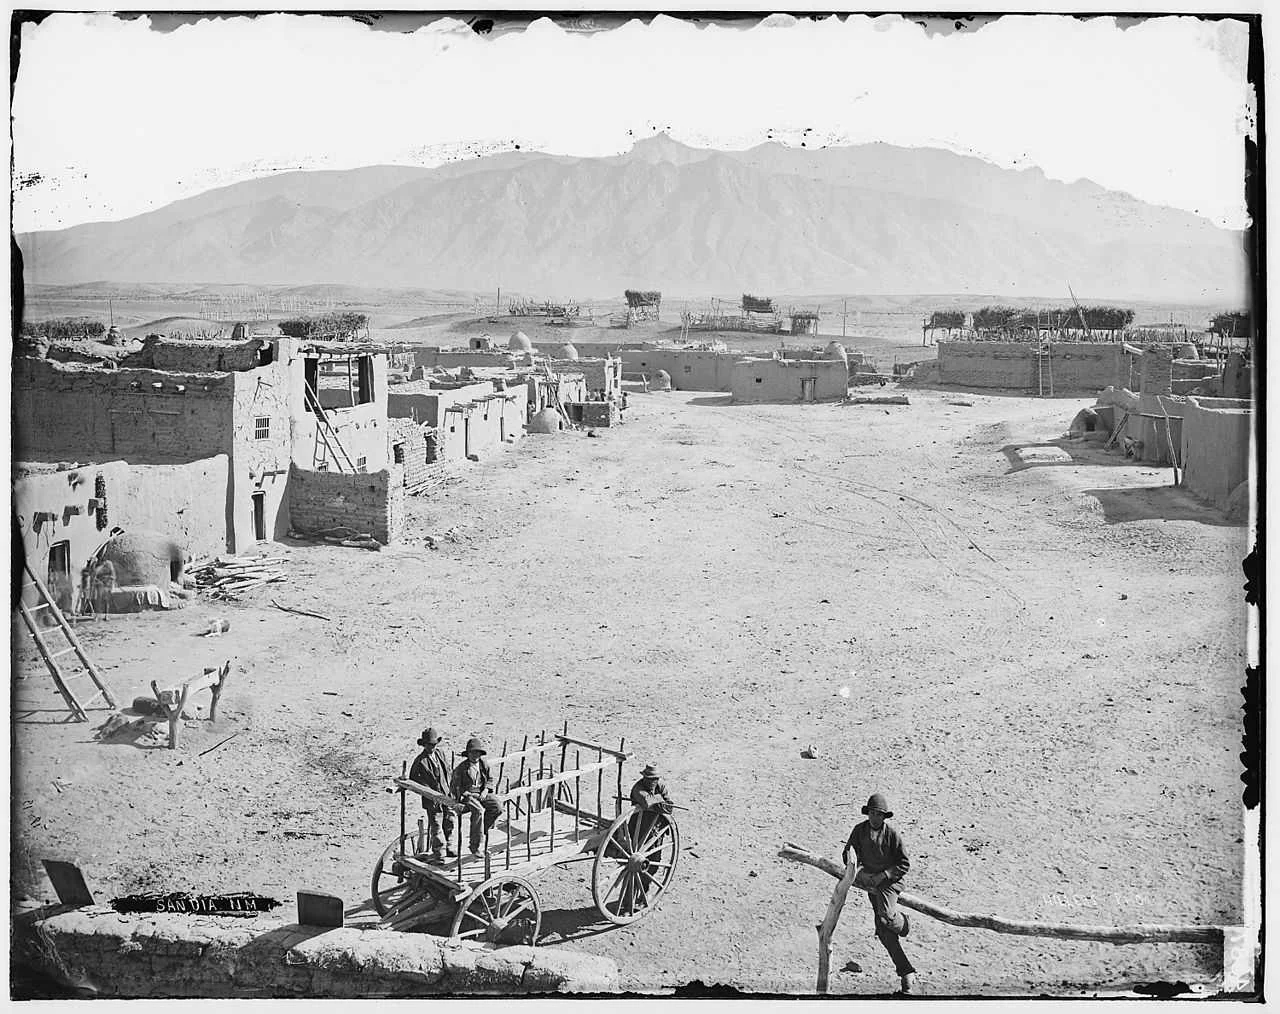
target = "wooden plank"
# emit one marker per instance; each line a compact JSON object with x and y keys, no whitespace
{"x":1144,"y":933}
{"x":546,"y":783}
{"x":591,"y":746}
{"x":432,"y":794}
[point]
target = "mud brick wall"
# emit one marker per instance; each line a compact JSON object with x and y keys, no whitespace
{"x":116,"y":956}
{"x":410,"y":436}
{"x":69,"y":412}
{"x":1215,"y":447}
{"x":372,"y":502}
{"x":201,"y":356}
{"x":1075,"y":366}
{"x":596,"y":413}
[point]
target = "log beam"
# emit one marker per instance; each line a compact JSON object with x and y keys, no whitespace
{"x":1144,"y":933}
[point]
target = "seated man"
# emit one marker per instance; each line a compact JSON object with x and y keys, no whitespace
{"x":649,"y":793}
{"x":430,"y":768}
{"x":470,"y":786}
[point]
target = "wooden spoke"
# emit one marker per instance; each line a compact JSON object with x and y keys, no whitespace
{"x":389,"y":877}
{"x":626,"y":890}
{"x":505,"y":909}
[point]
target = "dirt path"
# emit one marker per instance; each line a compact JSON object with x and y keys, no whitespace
{"x":1043,"y":676}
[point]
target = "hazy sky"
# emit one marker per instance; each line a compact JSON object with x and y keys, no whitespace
{"x":117,"y":118}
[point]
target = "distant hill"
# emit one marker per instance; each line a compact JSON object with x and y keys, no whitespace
{"x":868,"y":218}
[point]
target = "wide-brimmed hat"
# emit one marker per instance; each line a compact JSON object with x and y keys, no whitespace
{"x":430,"y":737}
{"x":474,"y":744}
{"x":878,"y":802}
{"x":649,"y":771}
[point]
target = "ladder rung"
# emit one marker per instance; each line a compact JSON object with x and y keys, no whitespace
{"x":64,"y":651}
{"x":42,"y":605}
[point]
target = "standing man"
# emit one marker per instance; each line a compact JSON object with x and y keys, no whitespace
{"x":431,"y":769}
{"x":470,"y":786}
{"x":882,"y":863}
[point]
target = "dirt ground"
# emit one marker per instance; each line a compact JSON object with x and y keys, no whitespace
{"x":1043,"y":646}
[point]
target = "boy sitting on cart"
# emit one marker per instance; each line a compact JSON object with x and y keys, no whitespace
{"x":649,"y":795}
{"x":470,"y":786}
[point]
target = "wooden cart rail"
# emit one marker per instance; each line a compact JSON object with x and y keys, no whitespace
{"x":587,"y":744}
{"x":522,"y":791}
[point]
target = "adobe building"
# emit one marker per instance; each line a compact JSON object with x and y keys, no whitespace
{"x":227,"y":445}
{"x":757,"y":379}
{"x":689,"y":369}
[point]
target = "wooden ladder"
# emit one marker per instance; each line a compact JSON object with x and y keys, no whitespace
{"x":328,"y":434}
{"x":64,"y":682}
{"x":1044,"y":362}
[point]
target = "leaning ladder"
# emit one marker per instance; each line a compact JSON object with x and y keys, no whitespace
{"x":328,"y":434}
{"x":63,"y":681}
{"x":1044,"y":361}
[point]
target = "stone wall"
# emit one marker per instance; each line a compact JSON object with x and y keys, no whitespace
{"x":372,"y":503}
{"x":69,"y":411}
{"x":168,"y":956}
{"x":594,"y":413}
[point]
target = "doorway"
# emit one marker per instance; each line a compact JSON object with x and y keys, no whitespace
{"x":260,"y":516}
{"x":466,"y":436}
{"x":60,"y":575}
{"x":808,"y":388}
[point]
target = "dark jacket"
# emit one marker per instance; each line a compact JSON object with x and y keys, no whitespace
{"x":431,"y":769}
{"x":646,"y":797}
{"x":880,"y":852}
{"x":462,"y":782}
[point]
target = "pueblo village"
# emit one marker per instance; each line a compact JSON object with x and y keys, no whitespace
{"x":507,"y":628}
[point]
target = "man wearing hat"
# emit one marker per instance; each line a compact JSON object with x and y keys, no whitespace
{"x":649,"y":793}
{"x":470,"y":786}
{"x":882,"y":863}
{"x":430,"y":768}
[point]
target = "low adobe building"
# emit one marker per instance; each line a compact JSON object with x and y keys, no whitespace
{"x":776,"y":379}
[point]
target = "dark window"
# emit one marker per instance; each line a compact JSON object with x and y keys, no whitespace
{"x":311,"y":378}
{"x":365,"y":394}
{"x":397,"y":453}
{"x":262,"y":428}
{"x":688,"y":369}
{"x":759,"y":380}
{"x":362,"y":464}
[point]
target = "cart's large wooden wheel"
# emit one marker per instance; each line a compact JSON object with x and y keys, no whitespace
{"x":504,"y":909}
{"x":393,"y":884}
{"x":635,"y":864}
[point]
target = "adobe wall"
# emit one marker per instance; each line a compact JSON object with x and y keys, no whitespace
{"x":1075,"y":366}
{"x":169,"y":956}
{"x":421,"y":401}
{"x":479,"y":426}
{"x":185,"y":501}
{"x":689,"y":369}
{"x":161,"y":353}
{"x":372,"y":503}
{"x":430,"y":358}
{"x":66,"y":495}
{"x":67,"y":411}
{"x":603,"y":376}
{"x":1215,"y":447}
{"x":780,"y":379}
{"x":413,"y":449}
{"x":260,"y":464}
{"x":361,"y":429}
{"x":596,"y":413}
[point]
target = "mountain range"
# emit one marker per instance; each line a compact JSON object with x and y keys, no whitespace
{"x":869,"y":218}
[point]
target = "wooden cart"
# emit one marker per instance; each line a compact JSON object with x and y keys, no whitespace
{"x":548,"y":819}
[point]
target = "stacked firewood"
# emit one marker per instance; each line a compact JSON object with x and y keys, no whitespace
{"x":227,"y":576}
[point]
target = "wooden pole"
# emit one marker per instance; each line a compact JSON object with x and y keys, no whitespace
{"x":1146,"y":933}
{"x":577,"y":792}
{"x":404,"y":774}
{"x":622,"y":743}
{"x":828,"y":925}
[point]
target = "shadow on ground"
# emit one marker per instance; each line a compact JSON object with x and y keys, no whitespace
{"x":562,"y":925}
{"x":1157,"y":503}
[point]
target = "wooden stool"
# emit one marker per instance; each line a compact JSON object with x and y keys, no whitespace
{"x":174,"y":699}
